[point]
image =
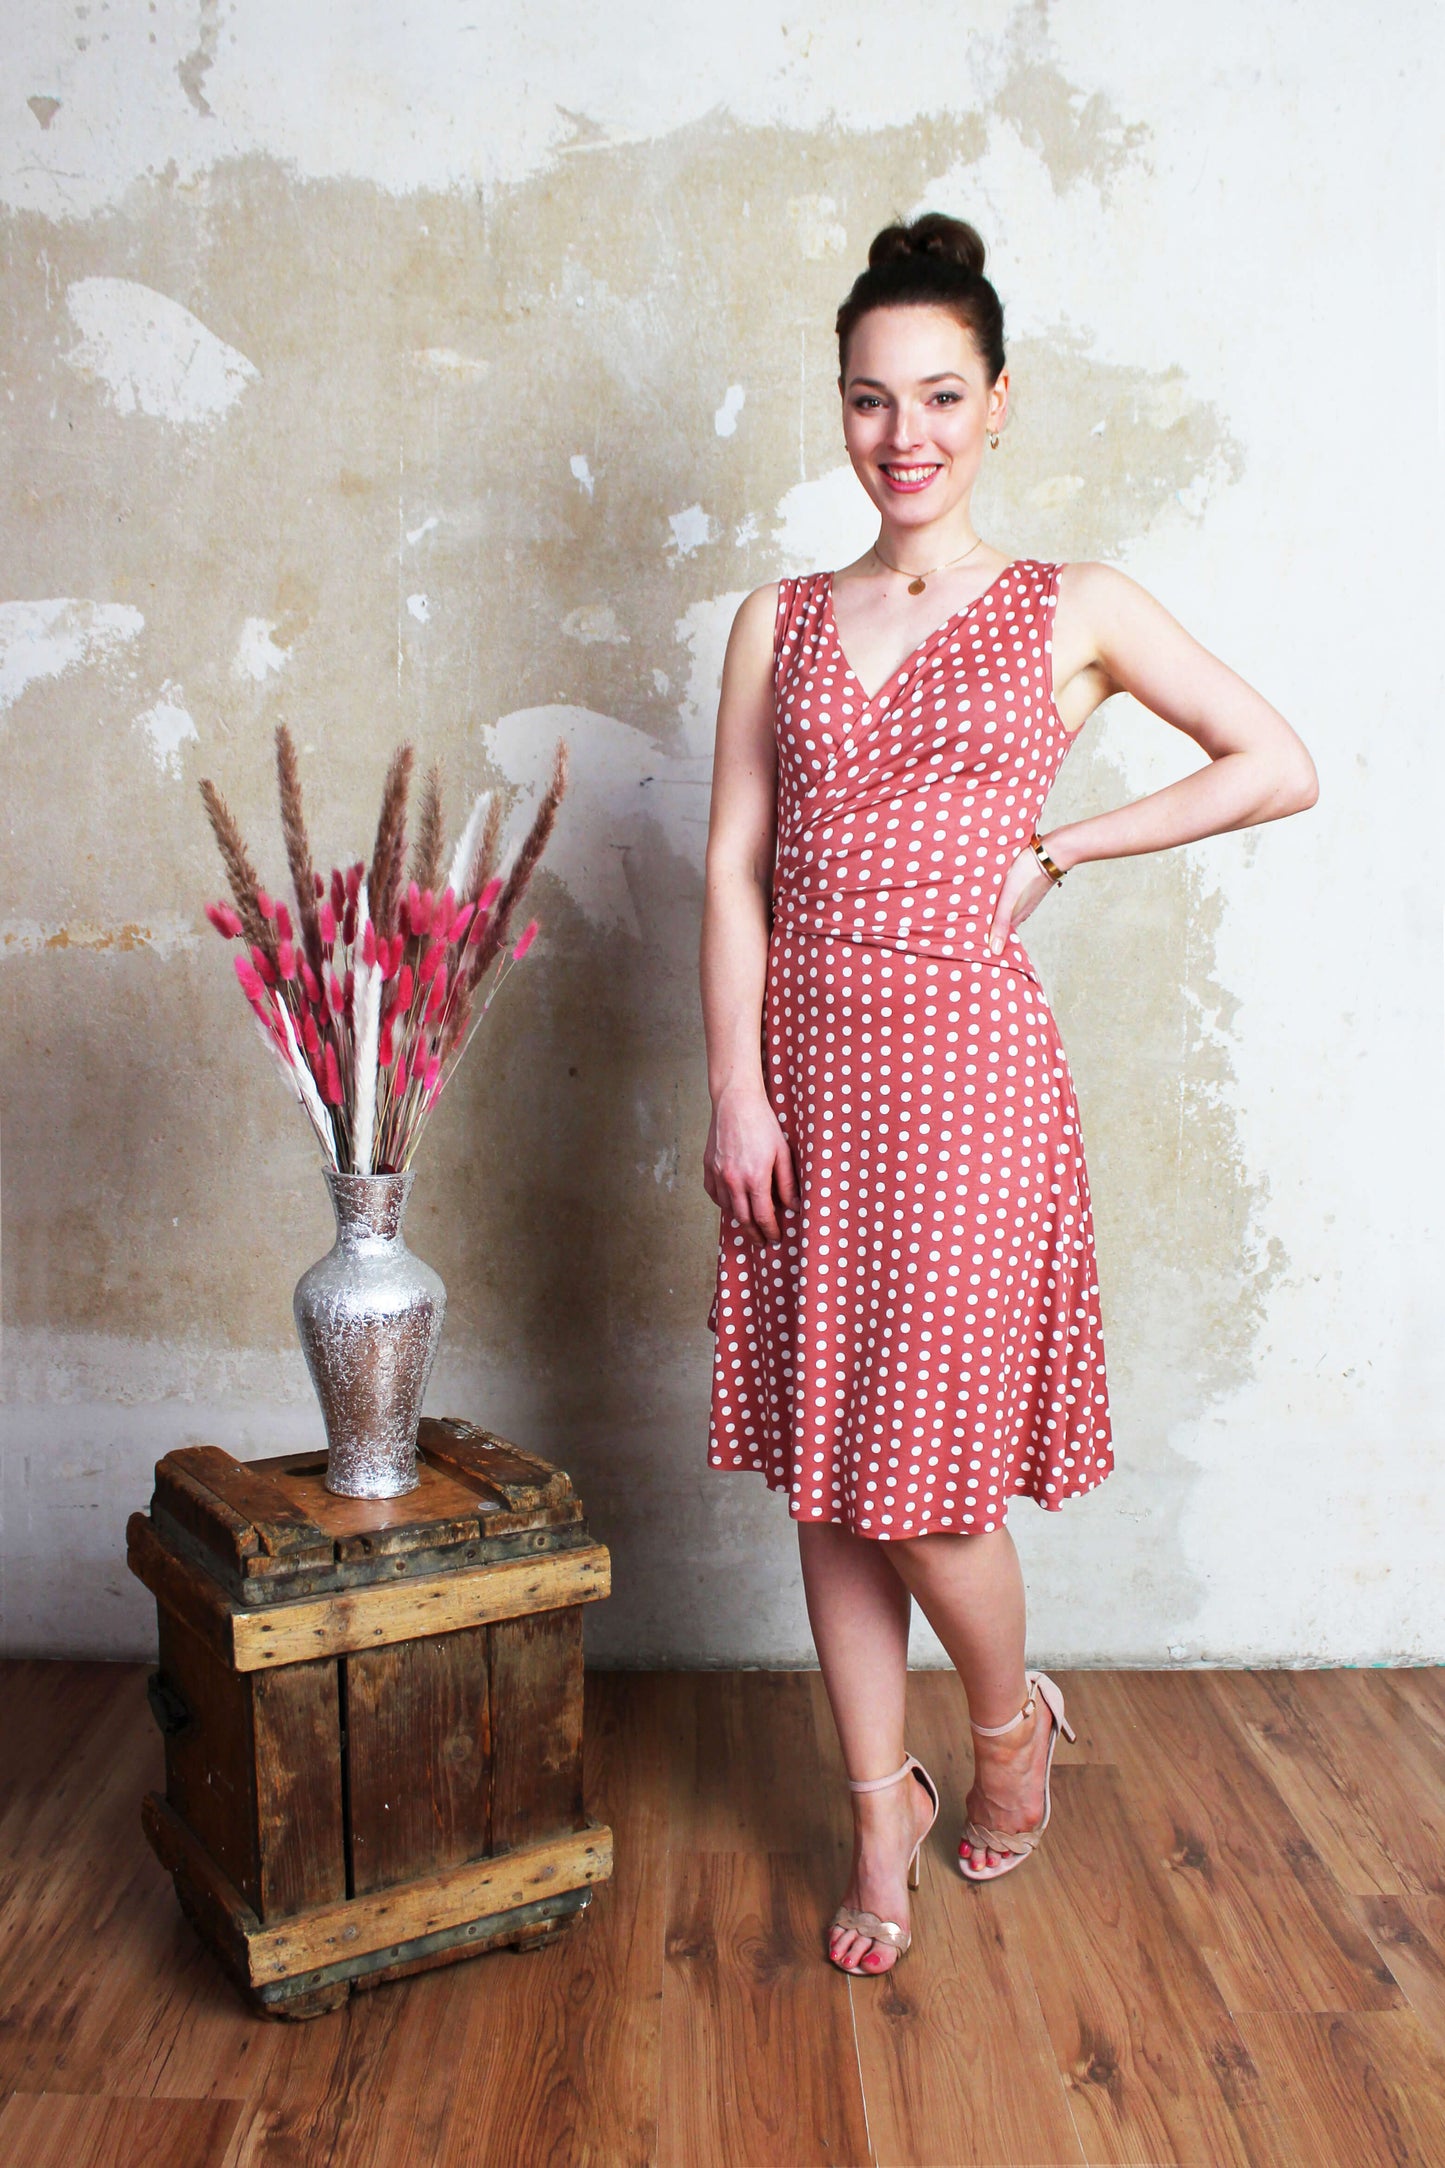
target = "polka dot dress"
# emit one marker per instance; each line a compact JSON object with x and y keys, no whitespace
{"x":925,"y":1342}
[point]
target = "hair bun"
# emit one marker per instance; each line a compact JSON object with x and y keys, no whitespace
{"x":950,"y":240}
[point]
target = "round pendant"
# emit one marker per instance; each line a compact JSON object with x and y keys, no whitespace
{"x":916,"y":587}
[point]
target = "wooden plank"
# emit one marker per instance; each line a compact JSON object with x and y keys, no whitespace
{"x":192,"y":1597}
{"x":353,"y":1619}
{"x":363,"y":1925}
{"x":1271,"y":1922}
{"x":536,"y":1704}
{"x":213,"y":1904}
{"x":221,"y":1532}
{"x":1346,"y":2092}
{"x":1409,"y":1933}
{"x":524,"y":1480}
{"x":210,"y":1771}
{"x":1364,"y":1776}
{"x":418,"y":1757}
{"x":299,"y":1823}
{"x":1155,"y":2066}
{"x":745,"y":1987}
{"x":69,"y":2130}
{"x":282,"y":1528}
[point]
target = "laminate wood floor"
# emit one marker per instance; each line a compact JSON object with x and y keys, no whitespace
{"x":1230,"y":1949}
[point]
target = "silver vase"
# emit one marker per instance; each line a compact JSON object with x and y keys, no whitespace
{"x":369,"y":1316}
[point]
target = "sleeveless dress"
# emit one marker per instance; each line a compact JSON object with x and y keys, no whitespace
{"x":925,"y":1342}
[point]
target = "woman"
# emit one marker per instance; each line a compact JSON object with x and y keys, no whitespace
{"x":907,"y":1312}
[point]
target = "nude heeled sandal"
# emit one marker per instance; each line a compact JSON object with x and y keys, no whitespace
{"x":868,"y":1923}
{"x":1018,"y":1842}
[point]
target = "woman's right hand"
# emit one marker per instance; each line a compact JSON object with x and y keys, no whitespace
{"x":747,"y":1167}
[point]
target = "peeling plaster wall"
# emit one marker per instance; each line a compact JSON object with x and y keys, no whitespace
{"x":454,"y":379}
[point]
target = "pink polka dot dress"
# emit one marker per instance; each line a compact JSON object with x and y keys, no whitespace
{"x":925,"y":1342}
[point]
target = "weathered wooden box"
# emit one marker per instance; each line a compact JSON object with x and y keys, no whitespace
{"x":372,"y":1712}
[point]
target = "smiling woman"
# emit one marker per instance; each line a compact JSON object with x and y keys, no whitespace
{"x":907,"y":1308}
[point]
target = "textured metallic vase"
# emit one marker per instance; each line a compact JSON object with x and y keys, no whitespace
{"x":369,"y":1315}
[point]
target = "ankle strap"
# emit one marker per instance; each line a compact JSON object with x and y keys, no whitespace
{"x":877,"y":1784}
{"x":995,"y":1731}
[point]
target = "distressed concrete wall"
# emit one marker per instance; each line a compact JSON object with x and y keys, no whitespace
{"x":453,"y":380}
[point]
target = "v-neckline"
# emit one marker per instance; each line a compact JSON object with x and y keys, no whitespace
{"x":871,"y":699}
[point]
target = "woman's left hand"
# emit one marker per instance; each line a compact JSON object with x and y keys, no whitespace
{"x":1024,"y":888}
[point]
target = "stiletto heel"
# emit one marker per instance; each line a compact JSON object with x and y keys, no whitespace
{"x":868,"y":1923}
{"x":1017,"y":1842}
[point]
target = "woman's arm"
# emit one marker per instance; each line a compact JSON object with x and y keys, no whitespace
{"x":747,"y":1165}
{"x":1112,"y":636}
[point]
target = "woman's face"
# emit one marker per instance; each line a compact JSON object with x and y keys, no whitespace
{"x":917,"y":409}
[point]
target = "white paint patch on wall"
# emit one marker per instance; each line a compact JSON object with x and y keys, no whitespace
{"x":623,"y":785}
{"x":585,"y":478}
{"x":827,"y":521}
{"x":725,"y":421}
{"x":257,"y":654}
{"x":691,"y":529}
{"x":420,"y":608}
{"x":595,"y":623}
{"x":168,"y":726}
{"x":151,"y":355}
{"x":43,"y":639}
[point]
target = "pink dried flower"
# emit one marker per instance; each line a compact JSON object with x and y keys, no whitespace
{"x":326,"y":920}
{"x":430,"y":963}
{"x":348,"y":924}
{"x":528,"y":936}
{"x":311,"y":983}
{"x":444,"y":917}
{"x":405,"y":980}
{"x":330,"y":1080}
{"x":224,"y":919}
{"x":338,"y":996}
{"x":310,"y":1036}
{"x":264,"y":966}
{"x":251,"y":982}
{"x":384,"y":1047}
{"x":284,"y":927}
{"x":438,"y":998}
{"x":432,"y":1078}
{"x":490,"y":893}
{"x":353,"y":880}
{"x":264,"y":904}
{"x":286,"y":958}
{"x":338,"y":891}
{"x":320,"y":886}
{"x":368,"y":945}
{"x":398,"y":949}
{"x":419,"y":1058}
{"x":460,"y":923}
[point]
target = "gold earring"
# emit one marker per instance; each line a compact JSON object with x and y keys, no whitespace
{"x":993,"y":440}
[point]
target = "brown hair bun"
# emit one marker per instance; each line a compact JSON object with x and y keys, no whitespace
{"x":933,"y":262}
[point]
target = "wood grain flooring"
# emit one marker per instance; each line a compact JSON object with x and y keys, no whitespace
{"x":1230,"y":1949}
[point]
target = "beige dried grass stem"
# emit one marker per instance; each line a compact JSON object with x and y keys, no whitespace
{"x":484,"y":859}
{"x":298,"y":845}
{"x":426,"y":857}
{"x":515,"y":887}
{"x":386,"y":881}
{"x":241,"y":874}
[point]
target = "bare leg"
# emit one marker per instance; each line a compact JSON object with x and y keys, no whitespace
{"x":858,"y":1609}
{"x":971,"y":1591}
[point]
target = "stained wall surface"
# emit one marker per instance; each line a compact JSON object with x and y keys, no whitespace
{"x":452,"y":380}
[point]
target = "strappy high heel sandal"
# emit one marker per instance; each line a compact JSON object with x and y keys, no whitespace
{"x":868,"y":1923}
{"x":1018,"y":1842}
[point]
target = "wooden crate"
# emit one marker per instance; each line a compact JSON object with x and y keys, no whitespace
{"x":372,"y":1712}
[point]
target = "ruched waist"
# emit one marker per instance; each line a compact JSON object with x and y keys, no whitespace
{"x":888,"y":919}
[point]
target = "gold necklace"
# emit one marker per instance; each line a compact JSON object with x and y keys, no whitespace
{"x":920,"y":580}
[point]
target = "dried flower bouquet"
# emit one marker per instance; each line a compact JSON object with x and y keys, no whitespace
{"x":371,"y":995}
